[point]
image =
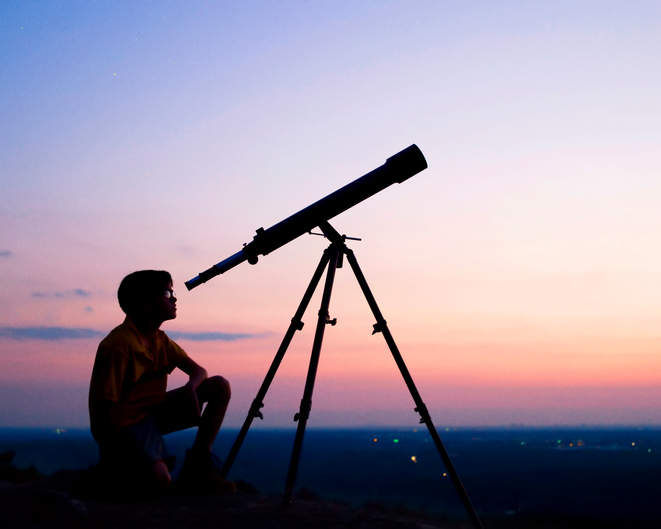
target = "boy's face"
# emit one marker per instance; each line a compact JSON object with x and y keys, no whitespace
{"x":165,"y":305}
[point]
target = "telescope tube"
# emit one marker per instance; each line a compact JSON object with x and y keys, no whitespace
{"x":397,"y":169}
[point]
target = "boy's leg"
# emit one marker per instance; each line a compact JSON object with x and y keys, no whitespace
{"x":201,"y":469}
{"x":179,"y":412}
{"x":162,"y":474}
{"x":216,"y":392}
{"x":136,"y":458}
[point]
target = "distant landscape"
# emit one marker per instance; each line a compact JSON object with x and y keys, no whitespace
{"x":593,"y":473}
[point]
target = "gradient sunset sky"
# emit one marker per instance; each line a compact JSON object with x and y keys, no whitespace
{"x":520,"y":274}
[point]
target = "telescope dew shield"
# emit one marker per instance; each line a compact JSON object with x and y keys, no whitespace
{"x":397,"y":169}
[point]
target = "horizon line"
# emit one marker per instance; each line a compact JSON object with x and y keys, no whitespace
{"x":367,"y":427}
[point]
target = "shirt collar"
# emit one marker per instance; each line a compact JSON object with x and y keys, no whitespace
{"x":155,"y":342}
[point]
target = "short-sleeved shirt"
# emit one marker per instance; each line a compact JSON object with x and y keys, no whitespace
{"x":131,"y":376}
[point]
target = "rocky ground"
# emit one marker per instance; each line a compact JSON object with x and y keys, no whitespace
{"x":62,"y":501}
{"x":67,"y":499}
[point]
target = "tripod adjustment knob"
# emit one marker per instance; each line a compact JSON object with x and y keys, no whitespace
{"x":331,"y":322}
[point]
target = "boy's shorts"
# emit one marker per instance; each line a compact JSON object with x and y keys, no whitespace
{"x":140,"y":445}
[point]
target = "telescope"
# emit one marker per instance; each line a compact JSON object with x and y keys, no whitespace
{"x":397,"y":169}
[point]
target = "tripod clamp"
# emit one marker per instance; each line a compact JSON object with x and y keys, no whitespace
{"x":424,"y":413}
{"x":304,"y":410}
{"x":254,"y":409}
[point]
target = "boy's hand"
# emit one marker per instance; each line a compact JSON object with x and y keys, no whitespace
{"x":196,"y":375}
{"x":191,"y":396}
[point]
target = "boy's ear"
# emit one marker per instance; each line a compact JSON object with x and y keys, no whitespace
{"x":143,"y":309}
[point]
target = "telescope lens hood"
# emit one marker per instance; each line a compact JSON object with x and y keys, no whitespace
{"x":407,"y":163}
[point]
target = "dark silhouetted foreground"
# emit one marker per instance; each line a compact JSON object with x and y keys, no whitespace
{"x":519,"y":478}
{"x":62,"y":501}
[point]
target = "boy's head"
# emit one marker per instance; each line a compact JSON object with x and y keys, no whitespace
{"x":147,"y":293}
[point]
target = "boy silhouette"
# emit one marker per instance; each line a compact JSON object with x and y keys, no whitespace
{"x":130,"y":409}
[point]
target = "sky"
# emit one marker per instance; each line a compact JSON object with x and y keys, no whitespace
{"x":520,"y":274}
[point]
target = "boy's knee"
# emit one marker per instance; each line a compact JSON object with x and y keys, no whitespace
{"x":218,"y":388}
{"x":162,"y":474}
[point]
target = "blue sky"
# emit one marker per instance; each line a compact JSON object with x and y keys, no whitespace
{"x":520,"y":268}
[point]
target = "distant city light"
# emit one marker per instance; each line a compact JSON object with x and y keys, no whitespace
{"x":633,"y":444}
{"x":414,"y":459}
{"x":375,"y":439}
{"x":445,"y":474}
{"x":395,"y":440}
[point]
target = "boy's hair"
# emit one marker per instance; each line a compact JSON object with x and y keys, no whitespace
{"x":141,"y":287}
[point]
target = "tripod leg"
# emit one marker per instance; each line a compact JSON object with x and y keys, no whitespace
{"x":425,"y":418}
{"x":306,"y":402}
{"x":296,"y":325}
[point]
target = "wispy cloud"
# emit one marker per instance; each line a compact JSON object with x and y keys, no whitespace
{"x":81,"y":333}
{"x":76,"y":293}
{"x":5,"y":253}
{"x":214,"y":336}
{"x":49,"y":333}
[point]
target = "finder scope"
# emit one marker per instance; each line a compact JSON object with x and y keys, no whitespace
{"x":397,"y":168}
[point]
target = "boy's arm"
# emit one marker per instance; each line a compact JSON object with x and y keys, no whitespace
{"x":196,"y":375}
{"x":101,"y":411}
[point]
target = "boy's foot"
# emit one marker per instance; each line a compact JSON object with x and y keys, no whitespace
{"x":201,"y":473}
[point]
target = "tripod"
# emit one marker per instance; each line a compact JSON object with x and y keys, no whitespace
{"x":333,"y":259}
